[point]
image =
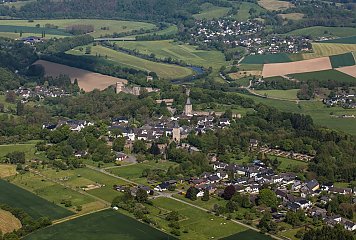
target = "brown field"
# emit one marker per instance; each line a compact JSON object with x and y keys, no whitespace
{"x":7,"y":170}
{"x":242,"y":74}
{"x":351,"y":70}
{"x":275,"y":5}
{"x":88,"y":81}
{"x":281,"y":69}
{"x":8,"y":222}
{"x":292,"y":16}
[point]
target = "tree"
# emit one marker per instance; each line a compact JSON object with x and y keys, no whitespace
{"x":20,"y":108}
{"x":10,"y":97}
{"x":192,"y":193}
{"x":16,"y":157}
{"x":173,"y":216}
{"x":119,"y":144}
{"x":206,"y":196}
{"x":139,"y":146}
{"x":155,"y":149}
{"x":141,"y":195}
{"x":268,"y":198}
{"x":229,"y":191}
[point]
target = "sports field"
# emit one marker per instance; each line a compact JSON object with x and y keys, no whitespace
{"x":8,"y":222}
{"x":87,"y":80}
{"x":209,"y":11}
{"x":101,"y":27}
{"x":32,"y":204}
{"x":187,"y":53}
{"x":320,"y":31}
{"x":275,"y":5}
{"x":104,"y":225}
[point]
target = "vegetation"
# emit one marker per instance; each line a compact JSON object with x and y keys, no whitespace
{"x":342,"y":60}
{"x":320,"y":31}
{"x":268,"y":58}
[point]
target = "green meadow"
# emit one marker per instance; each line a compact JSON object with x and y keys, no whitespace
{"x":29,"y":149}
{"x":326,"y":75}
{"x":290,"y":94}
{"x":267,"y":58}
{"x":209,"y":11}
{"x":319,"y":31}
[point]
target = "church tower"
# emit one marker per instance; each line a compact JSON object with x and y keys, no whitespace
{"x":188,"y":108}
{"x":176,"y":132}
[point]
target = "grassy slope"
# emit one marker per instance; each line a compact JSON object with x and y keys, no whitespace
{"x":163,"y":70}
{"x":104,"y":225}
{"x":113,"y":25}
{"x":209,"y":11}
{"x":283,"y":94}
{"x":186,"y":53}
{"x":33,"y":205}
{"x":319,"y":31}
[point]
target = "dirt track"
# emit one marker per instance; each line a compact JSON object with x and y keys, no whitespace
{"x":87,"y":80}
{"x":280,"y":69}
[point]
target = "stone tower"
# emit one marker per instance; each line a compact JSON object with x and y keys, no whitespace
{"x":188,"y":108}
{"x":176,"y":132}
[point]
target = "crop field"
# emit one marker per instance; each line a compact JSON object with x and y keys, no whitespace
{"x":342,"y":60}
{"x":104,"y":225}
{"x":320,"y":31}
{"x":186,"y":53}
{"x":290,"y":94}
{"x":275,"y":5}
{"x":333,"y":75}
{"x":282,"y":69}
{"x":267,"y":58}
{"x":32,"y":204}
{"x":351,"y":71}
{"x":244,"y":10}
{"x":88,"y":81}
{"x":200,"y":225}
{"x":134,"y":172}
{"x":29,"y":150}
{"x":101,"y":27}
{"x":328,"y":49}
{"x":168,"y":71}
{"x":8,"y":222}
{"x":7,"y":170}
{"x":344,"y":40}
{"x":209,"y":11}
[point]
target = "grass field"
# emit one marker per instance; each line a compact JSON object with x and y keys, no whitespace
{"x":113,"y":26}
{"x":8,"y":222}
{"x":186,"y":53}
{"x":167,"y":71}
{"x":7,"y":170}
{"x":342,"y":60}
{"x":319,"y":31}
{"x":104,"y":225}
{"x":344,"y":40}
{"x":244,"y":11}
{"x":209,"y":11}
{"x":275,"y":5}
{"x":324,"y":76}
{"x":29,"y":150}
{"x":267,"y":58}
{"x":287,"y":164}
{"x":292,"y":16}
{"x":32,"y":204}
{"x":247,"y":235}
{"x":290,"y":94}
{"x":328,"y":49}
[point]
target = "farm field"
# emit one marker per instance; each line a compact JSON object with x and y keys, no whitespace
{"x":34,"y":205}
{"x":168,"y":71}
{"x":244,"y":10}
{"x":320,"y":31}
{"x":324,"y":76}
{"x":275,"y":5}
{"x":7,"y":170}
{"x":29,"y":149}
{"x":344,"y":40}
{"x":290,"y":94}
{"x":8,"y":222}
{"x":184,"y":52}
{"x":351,"y":70}
{"x":342,"y":60}
{"x":200,"y":225}
{"x":292,"y":16}
{"x":328,"y":49}
{"x":267,"y":58}
{"x":209,"y":11}
{"x":88,"y":81}
{"x":112,"y":26}
{"x":282,"y":69}
{"x":104,"y":225}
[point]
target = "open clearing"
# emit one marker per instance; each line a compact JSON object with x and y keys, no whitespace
{"x":275,"y":5}
{"x":350,"y":70}
{"x":29,"y":150}
{"x":320,"y":31}
{"x":104,"y":225}
{"x":282,"y":69}
{"x":168,"y":71}
{"x":243,"y":74}
{"x":87,"y":80}
{"x":32,"y":204}
{"x":186,"y":53}
{"x":290,"y":94}
{"x":292,"y":16}
{"x":209,"y":11}
{"x":244,"y":10}
{"x":101,"y":27}
{"x":8,"y":222}
{"x":7,"y":170}
{"x":328,"y":49}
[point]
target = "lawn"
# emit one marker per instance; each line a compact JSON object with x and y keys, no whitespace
{"x":319,"y":31}
{"x":186,"y":53}
{"x":244,"y":11}
{"x":111,"y":26}
{"x":342,"y":60}
{"x":290,"y":94}
{"x":168,"y":71}
{"x":345,"y":40}
{"x":328,"y":49}
{"x":325,"y":75}
{"x":287,"y":164}
{"x":7,"y":170}
{"x":200,"y":224}
{"x":29,"y":150}
{"x":32,"y":204}
{"x":209,"y":11}
{"x":267,"y":58}
{"x":104,"y":225}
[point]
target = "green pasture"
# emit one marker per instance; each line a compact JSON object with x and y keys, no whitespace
{"x":287,"y":164}
{"x":169,"y":49}
{"x":33,"y":205}
{"x":244,"y":11}
{"x":29,"y":150}
{"x":103,"y":225}
{"x":267,"y":58}
{"x":344,"y":40}
{"x":209,"y":11}
{"x":326,"y":75}
{"x":290,"y":94}
{"x":342,"y":60}
{"x":320,"y":31}
{"x":168,"y":71}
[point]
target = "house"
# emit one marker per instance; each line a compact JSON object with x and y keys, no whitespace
{"x":80,"y":154}
{"x":342,"y":191}
{"x":213,"y":179}
{"x":219,"y":165}
{"x":162,"y":187}
{"x":303,"y":203}
{"x":224,"y":122}
{"x":313,"y":185}
{"x":318,"y":212}
{"x":120,"y":120}
{"x":253,"y":143}
{"x":119,"y":156}
{"x":350,"y":226}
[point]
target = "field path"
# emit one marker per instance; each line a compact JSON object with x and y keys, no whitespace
{"x":72,"y":217}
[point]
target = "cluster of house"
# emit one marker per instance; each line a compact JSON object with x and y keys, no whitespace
{"x":74,"y":125}
{"x":286,"y":154}
{"x":39,"y":92}
{"x":343,"y":100}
